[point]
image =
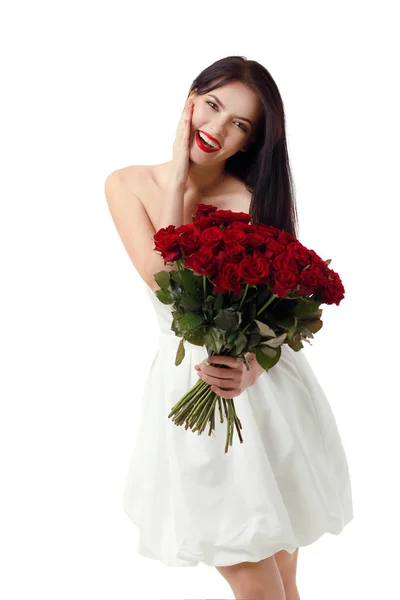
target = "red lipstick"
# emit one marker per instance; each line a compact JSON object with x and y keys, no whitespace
{"x":202,"y":146}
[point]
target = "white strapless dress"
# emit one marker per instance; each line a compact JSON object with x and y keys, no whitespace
{"x":285,"y":486}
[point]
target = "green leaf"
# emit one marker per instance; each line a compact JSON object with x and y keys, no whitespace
{"x":240,"y":343}
{"x":162,"y":278}
{"x":254,"y":339}
{"x":195,"y":337}
{"x":231,"y":337}
{"x":214,"y":339}
{"x":292,"y":329}
{"x":286,"y":322}
{"x":314,"y":325}
{"x":175,"y":328}
{"x":219,"y":301}
{"x":275,"y":342}
{"x":267,"y":357}
{"x":304,"y":307}
{"x":188,"y":282}
{"x":180,"y":354}
{"x":176,"y":277}
{"x":295,"y":343}
{"x":165,"y":296}
{"x":190,"y":303}
{"x":270,"y":352}
{"x":265,"y":330}
{"x":227,"y":319}
{"x":190,"y":321}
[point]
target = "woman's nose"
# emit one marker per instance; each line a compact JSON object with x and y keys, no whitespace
{"x":218,"y":131}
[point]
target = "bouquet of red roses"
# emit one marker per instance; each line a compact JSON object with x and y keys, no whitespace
{"x":239,"y":287}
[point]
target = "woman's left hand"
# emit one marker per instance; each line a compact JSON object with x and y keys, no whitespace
{"x":231,"y":382}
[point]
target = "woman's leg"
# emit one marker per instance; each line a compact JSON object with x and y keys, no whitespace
{"x":287,"y":565}
{"x":255,"y":580}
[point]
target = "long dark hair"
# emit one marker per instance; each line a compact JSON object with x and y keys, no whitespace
{"x":264,"y":167}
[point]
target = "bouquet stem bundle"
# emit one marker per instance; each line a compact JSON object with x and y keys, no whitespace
{"x":196,"y":409}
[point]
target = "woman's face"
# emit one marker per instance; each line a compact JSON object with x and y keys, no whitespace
{"x":230,"y":114}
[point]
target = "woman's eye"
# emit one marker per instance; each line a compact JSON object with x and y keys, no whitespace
{"x":242,"y":126}
{"x":213,"y":105}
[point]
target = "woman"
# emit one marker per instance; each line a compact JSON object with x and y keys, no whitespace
{"x":246,"y":512}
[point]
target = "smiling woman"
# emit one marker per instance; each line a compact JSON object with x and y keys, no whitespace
{"x":238,"y":104}
{"x":248,"y":512}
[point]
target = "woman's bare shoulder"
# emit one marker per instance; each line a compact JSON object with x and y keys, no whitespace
{"x":139,"y":176}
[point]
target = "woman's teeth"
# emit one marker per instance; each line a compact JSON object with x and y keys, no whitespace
{"x":207,"y":141}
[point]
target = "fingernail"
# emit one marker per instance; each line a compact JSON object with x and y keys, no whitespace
{"x":197,"y":368}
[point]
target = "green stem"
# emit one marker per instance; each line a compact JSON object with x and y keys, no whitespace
{"x":195,"y":390}
{"x":203,"y":416}
{"x":178,"y":264}
{"x":199,"y":408}
{"x":202,"y":424}
{"x":244,"y":296}
{"x":191,"y":408}
{"x":268,"y":302}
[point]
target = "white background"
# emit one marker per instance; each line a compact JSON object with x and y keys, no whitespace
{"x":88,"y":88}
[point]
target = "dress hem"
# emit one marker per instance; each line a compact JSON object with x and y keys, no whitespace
{"x":178,"y":562}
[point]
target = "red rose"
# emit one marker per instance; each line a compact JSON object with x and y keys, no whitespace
{"x":221,"y":258}
{"x":234,"y":252}
{"x":255,"y":270}
{"x":233,"y":236}
{"x":203,"y":261}
{"x":317,"y":260}
{"x":299,"y":253}
{"x":203,"y":223}
{"x":203,"y":210}
{"x":168,"y":245}
{"x":284,"y":262}
{"x":228,"y":279}
{"x":225,"y":217}
{"x":163,"y":231}
{"x":334,"y":291}
{"x":273,"y":248}
{"x":255,"y":240}
{"x":188,"y":242}
{"x":285,"y":237}
{"x":184,"y":228}
{"x":267,"y":231}
{"x":256,"y":252}
{"x":283,"y":282}
{"x":310,"y":280}
{"x":211,"y":236}
{"x":238,"y":225}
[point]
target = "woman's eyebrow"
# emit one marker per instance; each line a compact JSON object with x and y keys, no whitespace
{"x":222,"y":106}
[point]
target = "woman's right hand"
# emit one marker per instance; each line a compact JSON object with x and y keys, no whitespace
{"x":180,"y":160}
